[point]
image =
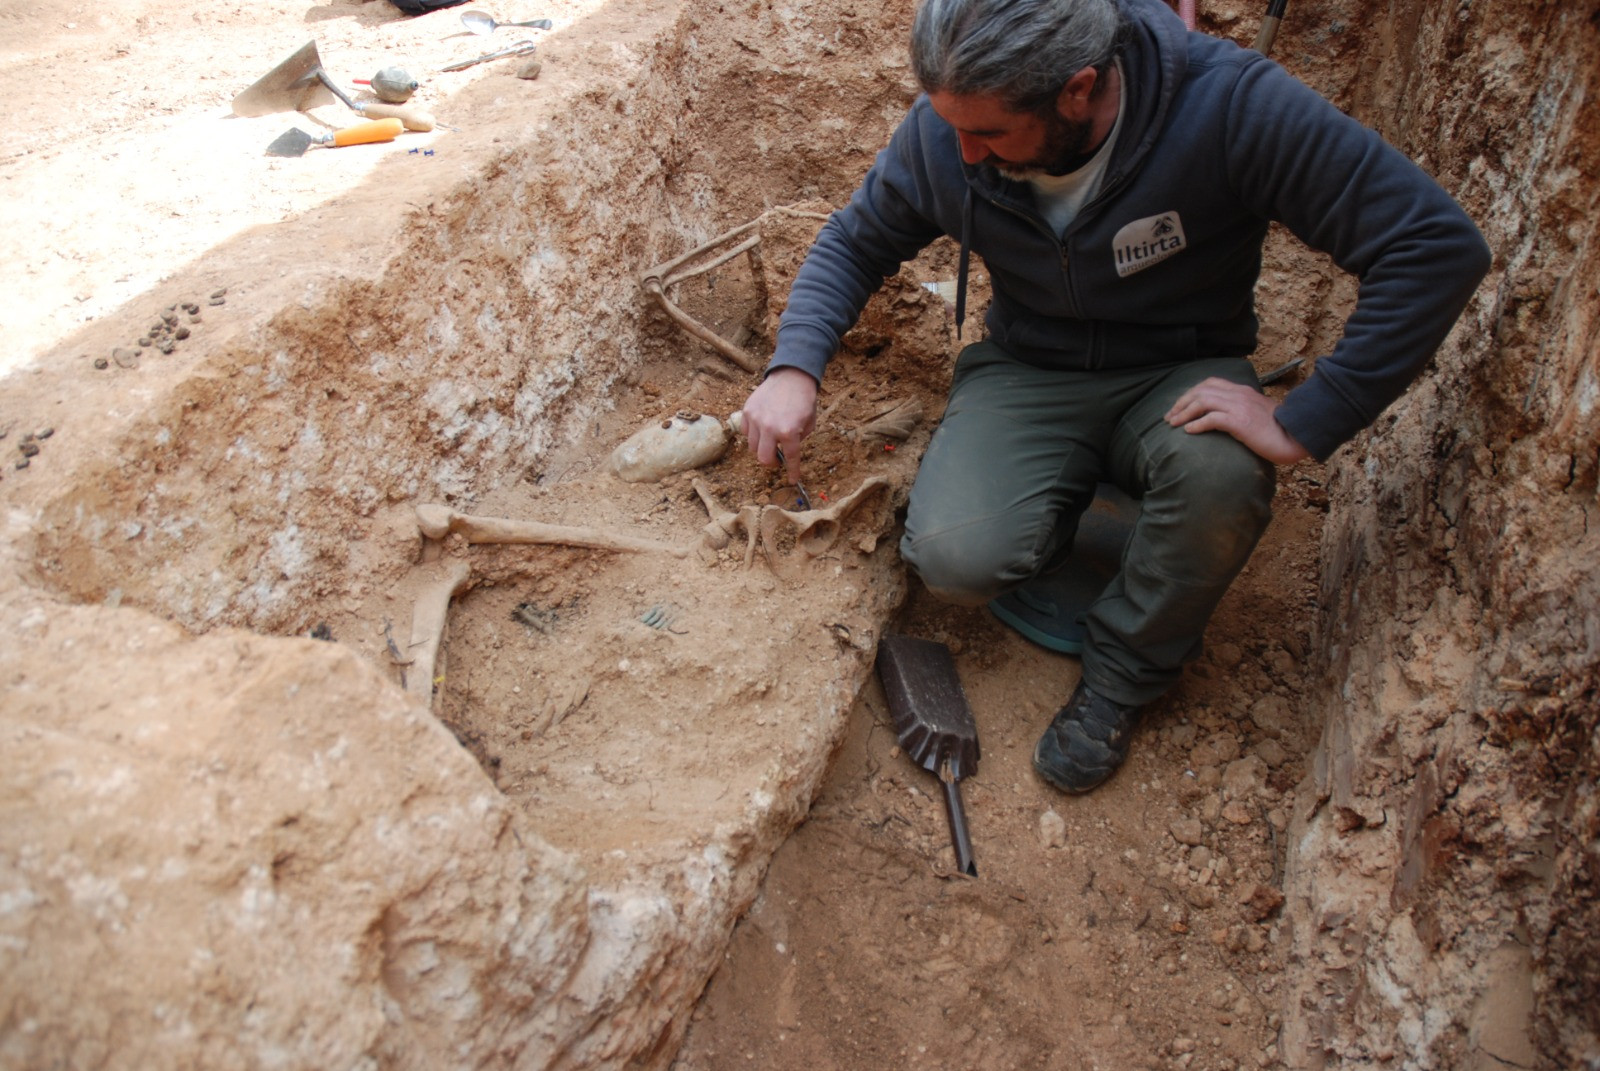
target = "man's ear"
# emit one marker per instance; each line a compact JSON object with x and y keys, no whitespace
{"x":1072,"y":103}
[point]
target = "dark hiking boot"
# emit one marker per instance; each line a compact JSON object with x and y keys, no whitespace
{"x":1086,"y":742}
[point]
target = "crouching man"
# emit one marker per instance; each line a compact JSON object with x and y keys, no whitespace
{"x":1117,"y":174}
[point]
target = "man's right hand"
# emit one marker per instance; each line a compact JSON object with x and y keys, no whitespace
{"x":778,"y":415}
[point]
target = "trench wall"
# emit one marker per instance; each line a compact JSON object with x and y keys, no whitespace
{"x":1443,"y":884}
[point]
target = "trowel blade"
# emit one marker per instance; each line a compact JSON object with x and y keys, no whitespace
{"x":291,"y":86}
{"x":292,"y":142}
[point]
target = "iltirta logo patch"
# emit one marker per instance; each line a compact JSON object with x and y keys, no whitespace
{"x":1147,"y":241}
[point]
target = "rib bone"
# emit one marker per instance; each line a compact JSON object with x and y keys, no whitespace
{"x":895,"y":423}
{"x":427,"y":626}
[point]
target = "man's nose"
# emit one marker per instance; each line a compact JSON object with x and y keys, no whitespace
{"x":973,"y":149}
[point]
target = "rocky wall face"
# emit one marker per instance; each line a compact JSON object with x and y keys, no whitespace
{"x":1443,"y":886}
{"x":243,"y":852}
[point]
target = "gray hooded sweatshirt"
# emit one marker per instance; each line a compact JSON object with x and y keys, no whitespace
{"x":1160,"y":266}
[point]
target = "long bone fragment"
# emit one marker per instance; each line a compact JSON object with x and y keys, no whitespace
{"x":427,"y":626}
{"x":437,"y":521}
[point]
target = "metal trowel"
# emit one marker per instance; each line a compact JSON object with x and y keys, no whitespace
{"x":295,"y":142}
{"x":933,"y":724}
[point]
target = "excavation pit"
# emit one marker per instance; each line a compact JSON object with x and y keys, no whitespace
{"x":534,"y":854}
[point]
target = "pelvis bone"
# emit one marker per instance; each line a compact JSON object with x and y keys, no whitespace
{"x":783,"y":533}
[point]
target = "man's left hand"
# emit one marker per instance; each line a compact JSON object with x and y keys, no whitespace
{"x":1243,"y":412}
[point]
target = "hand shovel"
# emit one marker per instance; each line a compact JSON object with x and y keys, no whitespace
{"x":933,"y":723}
{"x":295,"y":142}
{"x":299,"y":84}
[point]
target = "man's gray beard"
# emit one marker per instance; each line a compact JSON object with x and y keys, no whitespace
{"x":1064,"y":151}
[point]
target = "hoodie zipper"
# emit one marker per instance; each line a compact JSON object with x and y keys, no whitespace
{"x":1038,"y":224}
{"x":1063,"y":258}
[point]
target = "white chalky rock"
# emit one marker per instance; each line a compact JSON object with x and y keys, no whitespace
{"x":668,"y":446}
{"x":1052,"y":830}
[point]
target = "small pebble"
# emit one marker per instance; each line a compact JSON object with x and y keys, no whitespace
{"x":190,"y":307}
{"x":1216,"y":749}
{"x":1243,"y":777}
{"x":1272,"y":753}
{"x":194,"y":317}
{"x":1052,"y":830}
{"x":44,"y":433}
{"x":181,"y":333}
{"x":218,"y":293}
{"x":1187,"y":831}
{"x":22,"y":463}
{"x":144,"y":341}
{"x":531,"y":71}
{"x":125,"y":357}
{"x":166,"y":346}
{"x":101,"y":363}
{"x":29,"y":449}
{"x":217,"y":301}
{"x":1237,"y":813}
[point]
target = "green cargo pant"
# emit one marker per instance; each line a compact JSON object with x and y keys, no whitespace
{"x":1014,"y":464}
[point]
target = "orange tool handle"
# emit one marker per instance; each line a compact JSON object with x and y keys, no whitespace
{"x":366,"y":133}
{"x":411,"y":117}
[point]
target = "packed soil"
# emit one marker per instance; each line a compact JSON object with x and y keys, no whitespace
{"x":1129,"y":928}
{"x":1134,"y":927}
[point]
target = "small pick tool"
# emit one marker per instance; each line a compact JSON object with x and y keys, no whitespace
{"x":295,"y":142}
{"x":933,"y":723}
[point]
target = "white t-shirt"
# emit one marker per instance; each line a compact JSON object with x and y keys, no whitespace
{"x":1061,"y":196}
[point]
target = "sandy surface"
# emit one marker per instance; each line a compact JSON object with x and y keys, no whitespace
{"x":125,"y":162}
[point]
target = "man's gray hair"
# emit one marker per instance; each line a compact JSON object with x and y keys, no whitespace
{"x":1022,"y":51}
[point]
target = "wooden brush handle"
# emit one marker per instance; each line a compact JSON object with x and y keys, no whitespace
{"x":412,"y":118}
{"x":366,"y":133}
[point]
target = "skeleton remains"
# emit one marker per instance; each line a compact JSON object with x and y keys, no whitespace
{"x":781,"y":534}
